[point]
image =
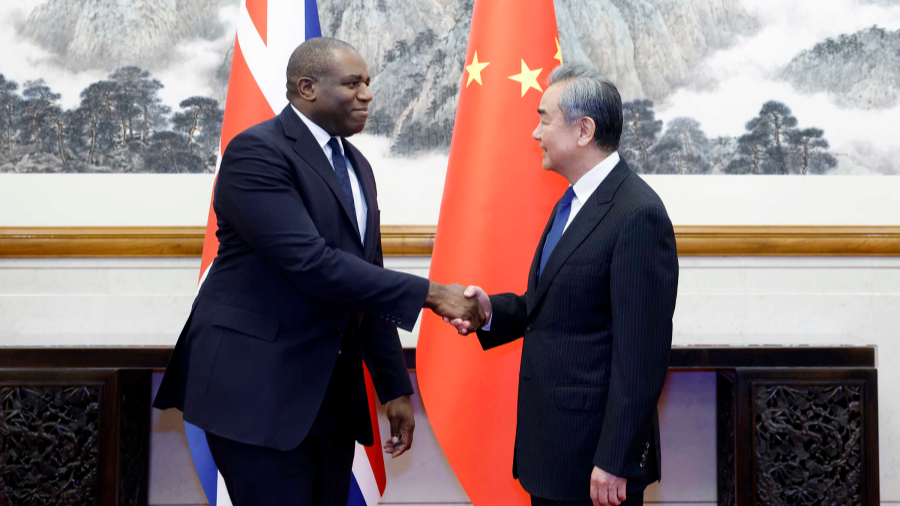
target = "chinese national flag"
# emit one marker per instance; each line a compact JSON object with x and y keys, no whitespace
{"x":497,"y":200}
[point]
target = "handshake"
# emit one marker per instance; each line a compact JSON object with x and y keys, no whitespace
{"x":467,"y":309}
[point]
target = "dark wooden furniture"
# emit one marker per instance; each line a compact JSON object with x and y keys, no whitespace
{"x":795,"y":425}
{"x":75,"y":425}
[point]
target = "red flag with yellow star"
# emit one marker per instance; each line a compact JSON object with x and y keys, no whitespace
{"x":497,"y":199}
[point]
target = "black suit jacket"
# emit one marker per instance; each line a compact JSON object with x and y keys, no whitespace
{"x":597,"y":330}
{"x":292,"y":285}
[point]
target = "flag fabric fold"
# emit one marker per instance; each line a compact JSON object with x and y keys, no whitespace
{"x":496,"y":202}
{"x":268,"y":31}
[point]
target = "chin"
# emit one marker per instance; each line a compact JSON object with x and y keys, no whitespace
{"x":355,"y":129}
{"x":350,"y":131}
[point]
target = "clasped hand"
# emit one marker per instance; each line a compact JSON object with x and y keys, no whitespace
{"x":463,"y":325}
{"x":451,"y":303}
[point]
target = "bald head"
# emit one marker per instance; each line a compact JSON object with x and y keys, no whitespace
{"x":313,"y":59}
{"x":328,"y":82}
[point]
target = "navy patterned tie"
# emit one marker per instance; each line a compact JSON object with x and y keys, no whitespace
{"x":343,"y":176}
{"x":559,"y":224}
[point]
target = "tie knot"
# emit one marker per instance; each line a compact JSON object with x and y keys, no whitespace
{"x":335,"y":146}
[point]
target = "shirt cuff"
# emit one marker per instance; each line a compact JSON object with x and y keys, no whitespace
{"x":487,"y":326}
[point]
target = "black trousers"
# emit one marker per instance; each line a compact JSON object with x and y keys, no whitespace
{"x":316,"y":473}
{"x":634,"y":499}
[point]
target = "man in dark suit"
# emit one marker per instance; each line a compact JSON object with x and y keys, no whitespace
{"x":597,"y":314}
{"x":270,"y":361}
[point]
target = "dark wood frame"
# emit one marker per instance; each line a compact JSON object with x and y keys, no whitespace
{"x":745,"y":415}
{"x":114,"y":383}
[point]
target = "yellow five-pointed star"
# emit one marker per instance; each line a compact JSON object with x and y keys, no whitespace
{"x":558,"y":55}
{"x":475,"y":70}
{"x":528,"y":78}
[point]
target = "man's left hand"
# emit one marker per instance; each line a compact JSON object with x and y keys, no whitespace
{"x":606,"y":489}
{"x":403,"y":423}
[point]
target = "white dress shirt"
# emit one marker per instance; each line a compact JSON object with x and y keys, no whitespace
{"x":584,"y":188}
{"x":589,"y":182}
{"x":359,"y":200}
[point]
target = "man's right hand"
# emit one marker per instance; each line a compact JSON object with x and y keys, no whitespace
{"x":450,"y":302}
{"x":464,"y":326}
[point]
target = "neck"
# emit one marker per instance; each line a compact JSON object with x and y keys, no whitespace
{"x":584,"y":165}
{"x":307,"y":109}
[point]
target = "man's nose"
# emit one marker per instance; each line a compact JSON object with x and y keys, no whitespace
{"x":365,"y":94}
{"x":536,"y":135}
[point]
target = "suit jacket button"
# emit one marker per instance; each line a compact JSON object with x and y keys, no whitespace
{"x":529,"y":328}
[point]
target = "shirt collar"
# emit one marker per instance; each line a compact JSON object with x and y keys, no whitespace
{"x":318,"y":132}
{"x":589,"y":182}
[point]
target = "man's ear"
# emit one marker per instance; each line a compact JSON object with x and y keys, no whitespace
{"x":586,"y":134}
{"x":306,"y":88}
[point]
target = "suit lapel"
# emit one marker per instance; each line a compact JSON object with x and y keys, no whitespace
{"x":367,"y":182}
{"x":587,"y":219}
{"x":309,"y":150}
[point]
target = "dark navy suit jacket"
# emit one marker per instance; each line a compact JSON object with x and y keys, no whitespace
{"x":597,"y":329}
{"x":291,"y":287}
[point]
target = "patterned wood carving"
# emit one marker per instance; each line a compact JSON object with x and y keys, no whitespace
{"x":49,"y":445}
{"x":808,"y":444}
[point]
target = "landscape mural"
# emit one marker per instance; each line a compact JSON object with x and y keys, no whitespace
{"x":793,"y":87}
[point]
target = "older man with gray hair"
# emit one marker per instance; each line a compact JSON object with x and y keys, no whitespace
{"x":597,"y":315}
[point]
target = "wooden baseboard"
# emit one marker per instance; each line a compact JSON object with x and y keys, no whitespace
{"x":418,"y":240}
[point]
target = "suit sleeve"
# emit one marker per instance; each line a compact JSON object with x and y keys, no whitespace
{"x":508,"y":320}
{"x":256,"y":194}
{"x":643,"y":286}
{"x":383,"y":353}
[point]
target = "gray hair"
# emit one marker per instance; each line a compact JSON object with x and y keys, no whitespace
{"x":312,"y":59}
{"x":588,"y":93}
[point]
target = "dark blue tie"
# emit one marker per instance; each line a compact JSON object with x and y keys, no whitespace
{"x":559,"y":224}
{"x":343,"y":176}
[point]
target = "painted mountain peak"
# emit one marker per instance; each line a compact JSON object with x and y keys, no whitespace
{"x":859,"y":70}
{"x":105,"y":34}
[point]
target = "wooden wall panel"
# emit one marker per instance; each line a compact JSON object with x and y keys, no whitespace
{"x":418,"y":240}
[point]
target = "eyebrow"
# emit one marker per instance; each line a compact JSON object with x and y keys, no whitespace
{"x":354,"y":77}
{"x":541,"y":111}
